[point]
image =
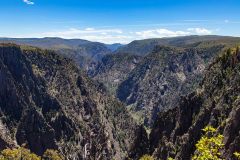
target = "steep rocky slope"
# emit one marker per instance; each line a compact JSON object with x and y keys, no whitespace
{"x":46,"y":102}
{"x":159,"y":80}
{"x":113,"y":69}
{"x":216,"y":102}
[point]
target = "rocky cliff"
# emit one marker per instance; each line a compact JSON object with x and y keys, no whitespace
{"x":162,"y":77}
{"x":47,"y":102}
{"x":113,"y":69}
{"x":215,"y":102}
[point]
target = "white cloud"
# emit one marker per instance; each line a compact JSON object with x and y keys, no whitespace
{"x":92,"y":34}
{"x":200,"y":31}
{"x":159,"y":33}
{"x":89,"y":29}
{"x":73,"y":32}
{"x":109,"y":39}
{"x":114,"y":35}
{"x":28,"y":2}
{"x":162,"y":32}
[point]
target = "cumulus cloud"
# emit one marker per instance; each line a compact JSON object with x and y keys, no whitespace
{"x":200,"y":31}
{"x":29,"y":2}
{"x":159,"y":33}
{"x":162,"y":32}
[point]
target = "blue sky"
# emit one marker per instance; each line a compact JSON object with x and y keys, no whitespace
{"x":121,"y":21}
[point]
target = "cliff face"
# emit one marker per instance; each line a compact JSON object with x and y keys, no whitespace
{"x":46,"y":102}
{"x":215,"y":102}
{"x":114,"y":69}
{"x":161,"y":77}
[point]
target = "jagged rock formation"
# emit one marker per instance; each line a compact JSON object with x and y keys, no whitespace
{"x":47,"y":102}
{"x":162,"y":76}
{"x":113,"y":69}
{"x":216,"y":102}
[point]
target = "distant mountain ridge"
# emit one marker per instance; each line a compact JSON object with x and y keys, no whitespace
{"x":146,"y":46}
{"x":86,"y":53}
{"x":83,"y":52}
{"x":47,"y":42}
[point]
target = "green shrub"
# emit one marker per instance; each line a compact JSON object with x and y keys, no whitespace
{"x":18,"y":154}
{"x":209,"y":146}
{"x":22,"y":153}
{"x":237,"y":155}
{"x":52,"y":155}
{"x":146,"y":157}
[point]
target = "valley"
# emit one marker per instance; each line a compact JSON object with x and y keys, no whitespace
{"x":119,"y":80}
{"x":148,"y":97}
